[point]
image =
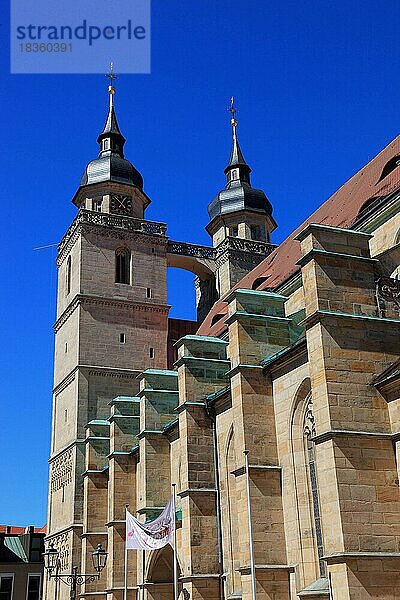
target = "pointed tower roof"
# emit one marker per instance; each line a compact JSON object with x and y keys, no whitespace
{"x":111,"y":124}
{"x":111,"y":128}
{"x":111,"y":165}
{"x":238,"y":194}
{"x":236,"y":158}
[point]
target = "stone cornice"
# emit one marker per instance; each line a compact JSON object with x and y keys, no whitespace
{"x":64,"y":530}
{"x":116,"y":303}
{"x":187,"y":578}
{"x":210,"y":362}
{"x":100,"y":371}
{"x":286,"y":356}
{"x":116,"y":523}
{"x":311,"y":227}
{"x":340,"y":557}
{"x":240,"y":368}
{"x":64,"y":383}
{"x":245,"y":570}
{"x":78,"y":442}
{"x":148,"y":433}
{"x":65,"y":315}
{"x":88,"y":534}
{"x":187,"y":405}
{"x":96,"y":370}
{"x":318,"y":315}
{"x":316,"y":253}
{"x":331,"y":434}
{"x":241,"y":315}
{"x":190,"y":491}
{"x":242,"y":470}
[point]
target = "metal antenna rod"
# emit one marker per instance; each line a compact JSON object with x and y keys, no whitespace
{"x":44,"y":247}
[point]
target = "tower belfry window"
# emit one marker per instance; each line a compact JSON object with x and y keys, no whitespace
{"x":257,"y":232}
{"x":122,"y":266}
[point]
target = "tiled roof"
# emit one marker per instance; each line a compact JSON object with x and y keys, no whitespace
{"x":340,"y":210}
{"x":13,"y":530}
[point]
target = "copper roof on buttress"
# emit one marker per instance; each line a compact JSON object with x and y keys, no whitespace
{"x":340,"y":210}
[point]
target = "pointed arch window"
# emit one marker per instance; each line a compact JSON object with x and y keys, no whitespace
{"x":122,"y":266}
{"x":68,"y":276}
{"x":309,"y":433}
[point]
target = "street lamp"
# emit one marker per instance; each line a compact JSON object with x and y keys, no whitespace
{"x":51,"y":561}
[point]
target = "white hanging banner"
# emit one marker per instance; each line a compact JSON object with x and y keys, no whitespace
{"x":153,"y":535}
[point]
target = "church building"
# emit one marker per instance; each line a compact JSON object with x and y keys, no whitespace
{"x":292,"y":366}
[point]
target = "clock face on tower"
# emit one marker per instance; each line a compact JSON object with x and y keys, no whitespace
{"x":121,"y":204}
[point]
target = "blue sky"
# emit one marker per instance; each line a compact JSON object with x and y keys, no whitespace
{"x":316,"y":84}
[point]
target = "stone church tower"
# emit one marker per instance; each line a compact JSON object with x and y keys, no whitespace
{"x":241,"y":220}
{"x":111,"y":324}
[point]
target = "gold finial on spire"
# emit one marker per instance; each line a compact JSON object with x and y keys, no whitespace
{"x":233,"y":110}
{"x":111,"y":76}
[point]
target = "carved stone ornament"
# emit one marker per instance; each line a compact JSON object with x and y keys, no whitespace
{"x":388,"y":289}
{"x":309,"y":421}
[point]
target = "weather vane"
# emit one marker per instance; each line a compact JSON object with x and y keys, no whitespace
{"x":112,"y":77}
{"x":233,"y":110}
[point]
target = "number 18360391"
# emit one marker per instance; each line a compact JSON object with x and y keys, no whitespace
{"x":46,"y":47}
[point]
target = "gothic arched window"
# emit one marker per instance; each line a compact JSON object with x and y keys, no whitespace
{"x":68,"y":276}
{"x":309,"y":433}
{"x":122,"y":266}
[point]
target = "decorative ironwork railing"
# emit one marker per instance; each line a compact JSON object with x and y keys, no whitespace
{"x":253,"y":246}
{"x":194,"y":250}
{"x":388,"y":289}
{"x":89,"y":217}
{"x":120,"y":221}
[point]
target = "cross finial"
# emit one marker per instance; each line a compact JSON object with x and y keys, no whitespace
{"x":112,"y":77}
{"x":233,"y":110}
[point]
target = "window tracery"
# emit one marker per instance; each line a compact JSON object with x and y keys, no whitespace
{"x":309,"y":433}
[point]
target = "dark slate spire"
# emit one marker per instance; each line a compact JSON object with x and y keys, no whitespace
{"x":111,"y":164}
{"x":237,"y":167}
{"x":111,"y":138}
{"x":238,"y":194}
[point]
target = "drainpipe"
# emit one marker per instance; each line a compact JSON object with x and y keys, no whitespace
{"x":210,"y":410}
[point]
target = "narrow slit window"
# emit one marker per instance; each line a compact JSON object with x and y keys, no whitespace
{"x":122,"y":266}
{"x":122,"y":338}
{"x":66,"y":347}
{"x":151,"y":353}
{"x":149,"y":293}
{"x":97,"y":204}
{"x":68,"y":276}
